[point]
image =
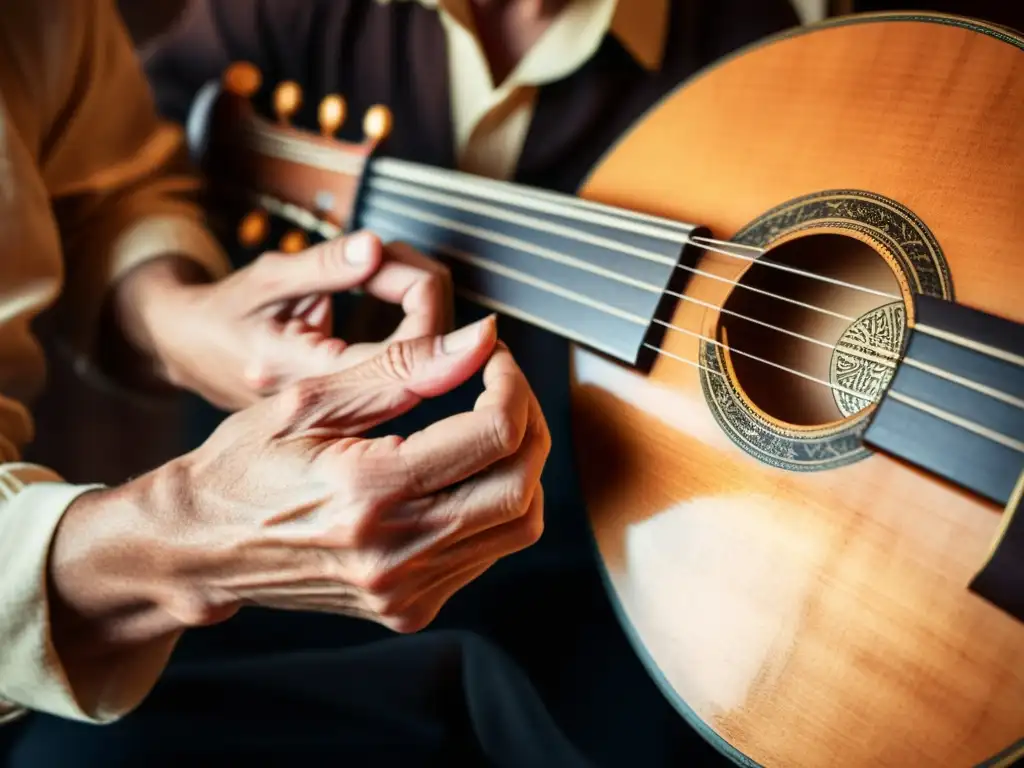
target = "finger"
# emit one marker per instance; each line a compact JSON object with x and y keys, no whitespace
{"x":497,"y":542}
{"x":410,"y":616}
{"x":420,"y":285}
{"x":315,"y":311}
{"x":333,"y":265}
{"x":417,"y":599}
{"x":312,"y":309}
{"x":320,"y":314}
{"x":424,"y":608}
{"x":498,"y":495}
{"x":388,"y":384}
{"x":451,"y":450}
{"x":290,"y":352}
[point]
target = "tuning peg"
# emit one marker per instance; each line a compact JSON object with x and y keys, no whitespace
{"x":294,"y":240}
{"x":242,"y":79}
{"x":287,"y":100}
{"x":377,"y":122}
{"x":331,"y":114}
{"x":253,"y":229}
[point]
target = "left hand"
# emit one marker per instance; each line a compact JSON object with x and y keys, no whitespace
{"x":267,"y":325}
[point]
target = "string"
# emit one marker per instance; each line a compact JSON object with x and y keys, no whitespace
{"x":577,"y":208}
{"x":544,"y":285}
{"x":275,"y":144}
{"x":960,"y":421}
{"x":398,"y":188}
{"x":329,"y":230}
{"x":967,"y":424}
{"x":554,"y":228}
{"x":376,"y":221}
{"x":571,"y":261}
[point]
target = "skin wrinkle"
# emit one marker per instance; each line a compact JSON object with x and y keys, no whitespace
{"x":386,"y":558}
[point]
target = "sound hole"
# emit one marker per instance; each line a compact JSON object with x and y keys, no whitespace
{"x":860,"y":339}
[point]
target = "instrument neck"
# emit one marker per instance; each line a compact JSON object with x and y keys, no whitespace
{"x":594,"y":274}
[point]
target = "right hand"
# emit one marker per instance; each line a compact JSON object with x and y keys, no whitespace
{"x":285,"y":506}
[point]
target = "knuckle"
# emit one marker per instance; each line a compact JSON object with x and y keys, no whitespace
{"x":299,"y":398}
{"x":506,"y":434}
{"x":444,"y":274}
{"x":398,"y":360}
{"x":329,"y":256}
{"x":543,"y":433}
{"x":413,"y":482}
{"x":193,"y":612}
{"x":448,"y":511}
{"x":261,"y":376}
{"x":516,"y":501}
{"x":435,"y":281}
{"x":356,"y":530}
{"x":532,"y":528}
{"x":414,"y":619}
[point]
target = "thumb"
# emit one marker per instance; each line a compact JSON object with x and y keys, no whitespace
{"x":393,"y":381}
{"x":333,"y":265}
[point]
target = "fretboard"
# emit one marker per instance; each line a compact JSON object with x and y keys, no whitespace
{"x":956,"y":404}
{"x":592,"y":274}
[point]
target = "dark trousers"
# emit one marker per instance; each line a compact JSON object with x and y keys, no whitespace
{"x":527,"y":666}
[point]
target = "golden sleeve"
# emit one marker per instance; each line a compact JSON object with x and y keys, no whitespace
{"x":92,"y":184}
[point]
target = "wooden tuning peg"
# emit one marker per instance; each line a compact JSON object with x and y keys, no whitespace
{"x":294,"y":240}
{"x":377,"y":122}
{"x":287,"y":100}
{"x":242,"y":79}
{"x":253,"y":229}
{"x":331,"y":114}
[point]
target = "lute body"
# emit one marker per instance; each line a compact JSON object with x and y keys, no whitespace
{"x":795,"y":577}
{"x":813,"y":618}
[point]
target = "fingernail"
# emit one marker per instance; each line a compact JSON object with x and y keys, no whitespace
{"x":466,"y":337}
{"x":358,"y":248}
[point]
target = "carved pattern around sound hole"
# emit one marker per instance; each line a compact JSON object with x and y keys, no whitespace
{"x":919,"y":259}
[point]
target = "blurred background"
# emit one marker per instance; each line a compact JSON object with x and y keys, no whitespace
{"x":92,"y":436}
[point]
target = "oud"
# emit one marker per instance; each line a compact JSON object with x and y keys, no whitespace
{"x":795,"y":292}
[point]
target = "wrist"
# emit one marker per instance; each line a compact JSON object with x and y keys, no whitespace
{"x":150,"y":302}
{"x":105,"y":581}
{"x":116,"y":579}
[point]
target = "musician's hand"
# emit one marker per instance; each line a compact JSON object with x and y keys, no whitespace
{"x":285,"y":506}
{"x":268,"y":324}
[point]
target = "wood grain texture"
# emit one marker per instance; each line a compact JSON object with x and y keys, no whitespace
{"x":814,"y":618}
